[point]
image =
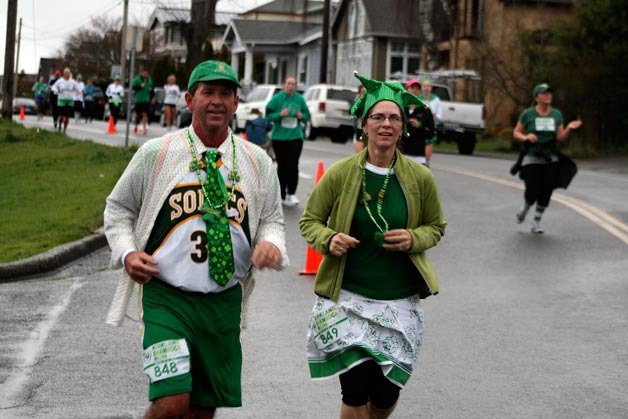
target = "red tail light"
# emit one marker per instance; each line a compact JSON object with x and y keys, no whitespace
{"x":321,"y":106}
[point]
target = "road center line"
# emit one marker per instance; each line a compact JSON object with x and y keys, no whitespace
{"x":603,"y":219}
{"x":29,"y":351}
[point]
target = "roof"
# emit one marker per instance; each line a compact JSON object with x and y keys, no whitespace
{"x":271,"y":32}
{"x":289,"y":7}
{"x":178,"y":14}
{"x":397,"y":20}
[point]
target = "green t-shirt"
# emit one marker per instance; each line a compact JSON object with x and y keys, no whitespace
{"x":40,"y":89}
{"x":142,"y":94}
{"x":544,"y":126}
{"x":370,"y":270}
{"x":289,"y":127}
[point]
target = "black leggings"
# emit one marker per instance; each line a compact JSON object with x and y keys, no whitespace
{"x":365,"y":383}
{"x":114,"y":111}
{"x":287,"y":154}
{"x":540,"y":180}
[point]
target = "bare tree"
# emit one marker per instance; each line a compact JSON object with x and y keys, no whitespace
{"x":94,"y":48}
{"x":197,"y":33}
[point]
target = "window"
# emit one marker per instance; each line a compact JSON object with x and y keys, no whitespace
{"x":355,"y":19}
{"x":405,"y":59}
{"x":302,"y":69}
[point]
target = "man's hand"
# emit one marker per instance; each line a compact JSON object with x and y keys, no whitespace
{"x":284,"y":112}
{"x":299,"y":115}
{"x":574,"y":124}
{"x":342,"y":242}
{"x":265,"y":255}
{"x":140,"y":266}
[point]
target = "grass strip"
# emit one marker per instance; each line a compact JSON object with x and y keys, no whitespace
{"x":52,"y":188}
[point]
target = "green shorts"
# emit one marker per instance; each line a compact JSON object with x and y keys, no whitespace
{"x":192,"y":344}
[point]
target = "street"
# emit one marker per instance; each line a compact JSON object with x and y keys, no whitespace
{"x":525,"y":326}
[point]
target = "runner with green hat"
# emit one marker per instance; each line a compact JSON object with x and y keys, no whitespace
{"x":372,"y":217}
{"x":191,"y":215}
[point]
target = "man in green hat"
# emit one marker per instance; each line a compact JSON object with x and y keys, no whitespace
{"x":193,"y":212}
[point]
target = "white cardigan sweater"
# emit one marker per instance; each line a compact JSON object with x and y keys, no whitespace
{"x":157,"y":167}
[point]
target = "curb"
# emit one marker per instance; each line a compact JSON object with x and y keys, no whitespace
{"x":52,"y":259}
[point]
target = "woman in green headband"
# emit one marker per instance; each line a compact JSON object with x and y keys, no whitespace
{"x":372,"y":215}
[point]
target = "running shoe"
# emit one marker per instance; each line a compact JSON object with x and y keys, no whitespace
{"x":291,"y":201}
{"x":521,"y":216}
{"x":536,"y":227}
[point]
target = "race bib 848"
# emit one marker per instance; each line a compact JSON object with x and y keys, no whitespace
{"x":166,"y":359}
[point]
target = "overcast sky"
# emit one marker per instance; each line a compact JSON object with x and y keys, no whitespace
{"x":47,"y":23}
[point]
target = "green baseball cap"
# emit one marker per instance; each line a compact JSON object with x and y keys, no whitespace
{"x":541,"y":88}
{"x":212,"y":70}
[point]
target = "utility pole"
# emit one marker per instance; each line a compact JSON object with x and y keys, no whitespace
{"x":9,"y":54}
{"x":125,"y":18}
{"x":17,"y":59}
{"x":324,"y":43}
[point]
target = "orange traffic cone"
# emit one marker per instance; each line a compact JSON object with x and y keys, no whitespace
{"x":312,"y":257}
{"x":22,"y":117}
{"x":112,"y":128}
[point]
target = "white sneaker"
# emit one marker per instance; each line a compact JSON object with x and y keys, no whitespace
{"x":291,"y":201}
{"x":536,"y":227}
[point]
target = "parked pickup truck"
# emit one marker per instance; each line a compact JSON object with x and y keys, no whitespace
{"x":461,"y":121}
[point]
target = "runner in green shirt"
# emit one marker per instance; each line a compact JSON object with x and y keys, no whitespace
{"x":541,"y":127}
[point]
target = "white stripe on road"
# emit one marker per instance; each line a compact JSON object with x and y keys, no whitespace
{"x":603,"y":219}
{"x":29,"y":351}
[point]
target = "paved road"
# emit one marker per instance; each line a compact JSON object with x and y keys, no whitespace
{"x":526,"y":326}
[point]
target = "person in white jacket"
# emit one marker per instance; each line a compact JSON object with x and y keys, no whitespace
{"x":65,"y":88}
{"x":161,"y":222}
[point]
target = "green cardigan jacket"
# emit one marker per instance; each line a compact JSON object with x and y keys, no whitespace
{"x":332,"y":204}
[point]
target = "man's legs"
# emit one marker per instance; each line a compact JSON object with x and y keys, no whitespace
{"x":177,"y":406}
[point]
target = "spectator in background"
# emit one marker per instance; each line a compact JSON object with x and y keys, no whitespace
{"x":171,"y":96}
{"x":287,"y":110}
{"x":78,"y":97}
{"x":52,"y":97}
{"x":88,"y":101}
{"x":421,"y":133}
{"x":40,"y":90}
{"x":143,"y":89}
{"x":431,"y":99}
{"x":358,"y":141}
{"x":257,"y":131}
{"x":115,"y":93}
{"x":65,"y":88}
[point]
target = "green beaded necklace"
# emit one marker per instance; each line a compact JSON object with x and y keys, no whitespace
{"x":379,"y":235}
{"x":196,"y":165}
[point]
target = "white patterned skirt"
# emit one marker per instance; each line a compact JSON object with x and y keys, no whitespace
{"x":356,"y":329}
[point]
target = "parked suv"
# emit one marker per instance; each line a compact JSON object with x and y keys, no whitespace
{"x":256,"y":98}
{"x":329,"y":106}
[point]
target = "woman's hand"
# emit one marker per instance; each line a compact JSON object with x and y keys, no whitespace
{"x":341,"y":242}
{"x":574,"y":124}
{"x":398,"y":240}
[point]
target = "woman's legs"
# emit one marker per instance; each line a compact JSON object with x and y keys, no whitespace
{"x":367,"y":393}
